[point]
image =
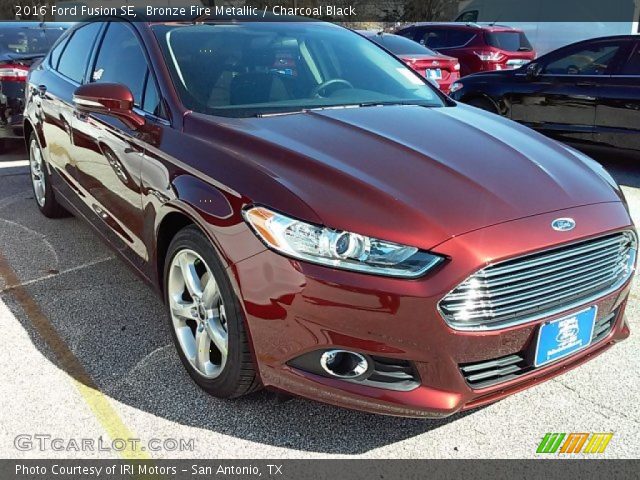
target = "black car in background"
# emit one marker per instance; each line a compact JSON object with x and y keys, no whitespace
{"x":21,"y":44}
{"x":587,"y":93}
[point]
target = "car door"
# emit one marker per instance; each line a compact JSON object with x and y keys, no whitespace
{"x":65,"y":71}
{"x":618,"y":108}
{"x":108,"y":152}
{"x":560,"y":99}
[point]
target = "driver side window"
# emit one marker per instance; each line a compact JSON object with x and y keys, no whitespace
{"x":586,"y":60}
{"x":121,"y":60}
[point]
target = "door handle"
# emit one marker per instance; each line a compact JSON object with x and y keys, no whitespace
{"x":42,"y":90}
{"x":585,"y":84}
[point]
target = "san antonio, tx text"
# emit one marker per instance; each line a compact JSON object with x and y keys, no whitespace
{"x":73,"y":471}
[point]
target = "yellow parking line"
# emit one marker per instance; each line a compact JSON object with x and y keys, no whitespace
{"x":90,"y":392}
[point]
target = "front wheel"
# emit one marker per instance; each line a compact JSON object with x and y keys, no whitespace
{"x":205,"y":318}
{"x":41,"y":182}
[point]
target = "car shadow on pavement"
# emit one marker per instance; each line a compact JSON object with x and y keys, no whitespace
{"x":116,"y":328}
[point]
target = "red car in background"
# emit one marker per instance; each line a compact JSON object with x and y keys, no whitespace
{"x":479,"y":48}
{"x":21,"y":44}
{"x":439,"y":68}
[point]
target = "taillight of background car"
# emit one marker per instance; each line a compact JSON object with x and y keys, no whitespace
{"x":10,"y":72}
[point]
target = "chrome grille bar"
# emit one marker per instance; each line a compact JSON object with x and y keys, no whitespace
{"x":543,"y":259}
{"x":541,"y":284}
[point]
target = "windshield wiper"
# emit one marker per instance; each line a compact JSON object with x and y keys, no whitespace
{"x":390,"y":104}
{"x":338,"y":107}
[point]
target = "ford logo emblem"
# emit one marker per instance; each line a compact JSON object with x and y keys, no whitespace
{"x":563,"y":224}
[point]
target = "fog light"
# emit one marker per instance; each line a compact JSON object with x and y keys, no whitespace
{"x":344,"y":364}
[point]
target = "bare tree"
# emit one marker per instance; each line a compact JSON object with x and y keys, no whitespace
{"x":429,"y":10}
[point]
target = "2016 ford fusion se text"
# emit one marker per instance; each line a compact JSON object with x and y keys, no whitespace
{"x":320,"y":220}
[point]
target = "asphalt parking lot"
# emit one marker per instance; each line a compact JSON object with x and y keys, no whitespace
{"x":86,"y":354}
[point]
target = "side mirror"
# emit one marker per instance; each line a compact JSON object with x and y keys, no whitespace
{"x":108,"y":99}
{"x":534,"y":70}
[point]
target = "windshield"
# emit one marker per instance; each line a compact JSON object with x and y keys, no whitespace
{"x":401,"y":45}
{"x":509,"y":41}
{"x":28,"y":40}
{"x":255,"y":68}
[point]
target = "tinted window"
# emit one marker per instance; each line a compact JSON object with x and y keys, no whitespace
{"x":121,"y":60}
{"x":28,"y":40}
{"x":253,"y":68}
{"x":55,"y":53}
{"x":407,"y":32}
{"x":400,"y":45}
{"x":441,"y":38}
{"x":75,"y":57}
{"x":632,"y":67}
{"x":151,"y":102}
{"x":509,"y":41}
{"x":592,"y":60}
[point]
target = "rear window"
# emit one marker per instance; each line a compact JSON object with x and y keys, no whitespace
{"x":443,"y":38}
{"x":401,"y":45}
{"x":27,"y":40}
{"x":509,"y":41}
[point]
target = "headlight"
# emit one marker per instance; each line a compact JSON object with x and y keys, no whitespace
{"x":456,"y":86}
{"x":337,"y":248}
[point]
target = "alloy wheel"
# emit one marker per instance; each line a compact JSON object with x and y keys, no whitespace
{"x":37,"y":173}
{"x":198,"y":313}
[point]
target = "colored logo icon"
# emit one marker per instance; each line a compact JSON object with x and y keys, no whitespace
{"x":574,"y":443}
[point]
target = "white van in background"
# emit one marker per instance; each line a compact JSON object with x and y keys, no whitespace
{"x":532,"y":17}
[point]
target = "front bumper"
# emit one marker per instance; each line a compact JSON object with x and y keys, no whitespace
{"x":293,"y":308}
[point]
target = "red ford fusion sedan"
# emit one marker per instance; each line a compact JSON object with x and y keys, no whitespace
{"x":320,"y":220}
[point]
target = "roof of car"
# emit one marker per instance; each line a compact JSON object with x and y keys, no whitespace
{"x":463,"y":25}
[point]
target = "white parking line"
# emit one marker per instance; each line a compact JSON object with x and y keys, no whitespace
{"x":15,"y":163}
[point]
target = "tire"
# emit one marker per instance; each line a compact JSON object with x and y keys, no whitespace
{"x":199,"y":312}
{"x":484,"y":104}
{"x":41,"y":182}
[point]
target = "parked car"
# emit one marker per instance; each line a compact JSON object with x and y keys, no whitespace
{"x":587,"y":93}
{"x":21,"y":43}
{"x":441,"y":69}
{"x":335,"y":228}
{"x":550,"y":24}
{"x":478,"y":48}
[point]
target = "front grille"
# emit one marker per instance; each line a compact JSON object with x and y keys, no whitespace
{"x":546,"y":283}
{"x":492,"y":372}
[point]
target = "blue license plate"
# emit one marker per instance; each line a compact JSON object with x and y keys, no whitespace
{"x":560,"y":338}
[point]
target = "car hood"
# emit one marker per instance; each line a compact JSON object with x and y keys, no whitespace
{"x":410,"y":174}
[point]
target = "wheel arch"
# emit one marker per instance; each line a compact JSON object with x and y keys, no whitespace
{"x":168,"y":227}
{"x":480,"y":95}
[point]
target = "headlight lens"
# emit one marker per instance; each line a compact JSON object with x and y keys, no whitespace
{"x":336,"y":248}
{"x":456,"y":86}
